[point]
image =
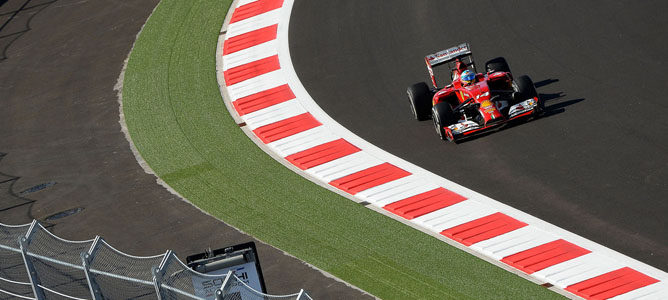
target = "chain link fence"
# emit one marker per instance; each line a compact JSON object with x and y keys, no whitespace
{"x":35,"y":264}
{"x":235,"y":289}
{"x":14,"y":280}
{"x":110,"y":271}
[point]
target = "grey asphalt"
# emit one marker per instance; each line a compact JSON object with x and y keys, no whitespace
{"x":596,"y":165}
{"x":59,"y":123}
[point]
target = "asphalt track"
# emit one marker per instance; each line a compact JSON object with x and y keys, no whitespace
{"x":59,"y":123}
{"x":596,"y":164}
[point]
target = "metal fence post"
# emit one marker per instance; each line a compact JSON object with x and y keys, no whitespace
{"x":158,"y":272}
{"x":32,"y":274}
{"x":221,"y":292}
{"x":86,"y":258}
{"x":156,"y":282}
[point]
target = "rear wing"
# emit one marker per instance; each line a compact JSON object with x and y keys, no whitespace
{"x":449,"y":55}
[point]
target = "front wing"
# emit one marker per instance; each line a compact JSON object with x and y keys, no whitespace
{"x":468,"y":128}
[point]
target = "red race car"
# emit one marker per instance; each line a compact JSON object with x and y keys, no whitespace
{"x":474,"y":102}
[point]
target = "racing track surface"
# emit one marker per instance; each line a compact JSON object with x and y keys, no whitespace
{"x":596,"y":164}
{"x":59,"y":123}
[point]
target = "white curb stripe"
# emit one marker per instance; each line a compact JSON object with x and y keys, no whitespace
{"x":253,"y":23}
{"x":454,"y":215}
{"x":514,"y":242}
{"x":257,"y":84}
{"x":250,"y":54}
{"x":244,"y":2}
{"x":344,"y":166}
{"x":655,"y":291}
{"x":302,"y":141}
{"x":578,"y":269}
{"x":274,"y":113}
{"x":396,"y":190}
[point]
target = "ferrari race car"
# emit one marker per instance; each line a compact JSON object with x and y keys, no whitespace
{"x":474,"y":102}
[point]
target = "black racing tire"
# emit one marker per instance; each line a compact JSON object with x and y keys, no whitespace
{"x":498,"y":64}
{"x":525,"y":89}
{"x":523,"y":85}
{"x":442,"y":115}
{"x":420,"y":98}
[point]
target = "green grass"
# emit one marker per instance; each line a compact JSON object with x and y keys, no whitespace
{"x":179,"y":124}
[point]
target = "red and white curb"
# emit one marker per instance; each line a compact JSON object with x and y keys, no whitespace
{"x":266,"y":98}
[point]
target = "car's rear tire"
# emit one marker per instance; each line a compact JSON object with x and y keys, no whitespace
{"x":498,"y":64}
{"x":420,"y":98}
{"x":442,"y":115}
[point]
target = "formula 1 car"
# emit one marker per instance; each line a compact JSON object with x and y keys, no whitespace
{"x":465,"y":108}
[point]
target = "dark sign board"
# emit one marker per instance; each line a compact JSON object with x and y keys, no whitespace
{"x":242,"y":259}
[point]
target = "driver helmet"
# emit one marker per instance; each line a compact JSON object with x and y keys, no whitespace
{"x":467,"y":77}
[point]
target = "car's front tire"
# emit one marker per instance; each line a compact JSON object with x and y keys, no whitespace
{"x":442,"y":116}
{"x":525,"y":89}
{"x":420,"y":98}
{"x":524,"y":86}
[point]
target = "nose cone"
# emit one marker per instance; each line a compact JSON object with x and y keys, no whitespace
{"x":490,"y":113}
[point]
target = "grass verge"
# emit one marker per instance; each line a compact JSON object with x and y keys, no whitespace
{"x":179,"y":124}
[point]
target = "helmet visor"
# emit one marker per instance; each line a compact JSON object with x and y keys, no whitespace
{"x":467,"y":76}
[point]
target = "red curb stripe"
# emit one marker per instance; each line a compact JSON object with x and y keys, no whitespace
{"x":251,"y":69}
{"x":424,"y":203}
{"x":611,"y":284}
{"x":254,"y":8}
{"x":250,"y":39}
{"x":263,"y":99}
{"x":368,"y":178}
{"x":483,"y":228}
{"x":543,"y":256}
{"x":287,"y":127}
{"x":321,"y":154}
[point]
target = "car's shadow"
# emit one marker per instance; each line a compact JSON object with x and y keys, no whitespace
{"x":552,"y":107}
{"x":545,"y":82}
